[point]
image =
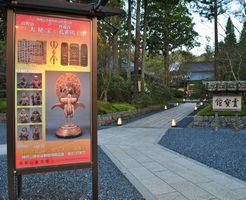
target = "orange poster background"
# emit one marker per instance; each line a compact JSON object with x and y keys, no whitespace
{"x":35,"y":153}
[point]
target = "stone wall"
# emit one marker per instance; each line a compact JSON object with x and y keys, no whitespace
{"x":223,"y":121}
{"x":110,"y":118}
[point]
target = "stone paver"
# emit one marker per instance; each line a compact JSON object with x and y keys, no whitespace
{"x":3,"y":149}
{"x":159,"y":173}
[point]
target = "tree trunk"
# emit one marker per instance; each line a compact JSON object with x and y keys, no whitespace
{"x":166,"y":45}
{"x":166,"y":62}
{"x":129,"y":40}
{"x":144,"y":42}
{"x":115,"y":58}
{"x":216,"y":70}
{"x":137,"y":48}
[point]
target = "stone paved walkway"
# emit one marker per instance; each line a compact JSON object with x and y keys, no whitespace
{"x":159,"y":173}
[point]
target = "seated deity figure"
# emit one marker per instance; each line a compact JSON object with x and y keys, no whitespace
{"x":24,"y":134}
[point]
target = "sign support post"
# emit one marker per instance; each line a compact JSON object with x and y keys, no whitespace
{"x":10,"y":108}
{"x":94,"y":110}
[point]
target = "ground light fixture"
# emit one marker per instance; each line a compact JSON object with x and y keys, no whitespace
{"x":119,"y":121}
{"x":195,"y":108}
{"x":173,"y":123}
{"x":177,"y":104}
{"x":165,"y":108}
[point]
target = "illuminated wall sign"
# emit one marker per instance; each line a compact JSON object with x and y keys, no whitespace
{"x":227,"y":103}
{"x":53,"y":90}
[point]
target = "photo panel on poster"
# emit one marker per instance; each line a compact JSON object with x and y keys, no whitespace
{"x":68,"y":104}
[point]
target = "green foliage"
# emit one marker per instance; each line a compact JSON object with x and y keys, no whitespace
{"x":155,"y":93}
{"x":165,"y":16}
{"x":232,"y":55}
{"x":208,"y":111}
{"x":181,"y":56}
{"x":154,"y":63}
{"x":2,"y":52}
{"x":106,"y":107}
{"x":230,"y":39}
{"x":206,"y":7}
{"x":120,"y":85}
{"x":143,"y":99}
{"x":198,"y":91}
{"x":242,"y":50}
{"x":3,"y":105}
{"x":178,"y":94}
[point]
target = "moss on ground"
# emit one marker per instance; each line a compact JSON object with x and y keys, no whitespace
{"x":106,"y":107}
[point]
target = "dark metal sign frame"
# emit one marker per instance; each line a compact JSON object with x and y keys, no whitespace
{"x":15,"y":175}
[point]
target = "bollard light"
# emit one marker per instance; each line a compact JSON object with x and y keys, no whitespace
{"x":177,"y":104}
{"x":173,"y":123}
{"x":201,"y":103}
{"x":195,"y":108}
{"x":165,"y":108}
{"x":119,"y":121}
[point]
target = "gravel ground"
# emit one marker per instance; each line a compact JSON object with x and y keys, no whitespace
{"x":74,"y":184}
{"x":2,"y":133}
{"x":224,"y":150}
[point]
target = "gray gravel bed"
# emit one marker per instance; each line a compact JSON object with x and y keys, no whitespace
{"x":2,"y":133}
{"x":74,"y":184}
{"x":224,"y":150}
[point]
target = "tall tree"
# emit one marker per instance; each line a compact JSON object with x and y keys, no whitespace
{"x":137,"y":48}
{"x":242,"y":50}
{"x":230,"y":39}
{"x":231,"y":50}
{"x":229,"y":55}
{"x":211,"y":9}
{"x":129,"y":39}
{"x":171,"y":28}
{"x":145,"y":5}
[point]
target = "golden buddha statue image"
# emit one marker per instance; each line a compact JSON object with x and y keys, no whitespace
{"x":68,"y":93}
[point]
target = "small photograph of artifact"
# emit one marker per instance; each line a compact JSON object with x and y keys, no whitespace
{"x":36,"y":132}
{"x":36,"y":81}
{"x":36,"y":98}
{"x":32,"y":52}
{"x":23,"y":98}
{"x":23,"y":133}
{"x":74,"y":54}
{"x":64,"y":53}
{"x":53,"y":58}
{"x":84,"y":55}
{"x":29,"y":80}
{"x":22,"y":81}
{"x":23,"y":115}
{"x":36,"y":116}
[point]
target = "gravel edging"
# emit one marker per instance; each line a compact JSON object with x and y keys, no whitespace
{"x":73,"y":184}
{"x":223,"y":150}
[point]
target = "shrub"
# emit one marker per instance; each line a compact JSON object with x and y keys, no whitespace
{"x":3,"y":105}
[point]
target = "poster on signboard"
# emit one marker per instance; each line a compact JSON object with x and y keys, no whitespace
{"x":53,"y":90}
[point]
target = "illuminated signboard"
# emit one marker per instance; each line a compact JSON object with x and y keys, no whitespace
{"x":53,"y":91}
